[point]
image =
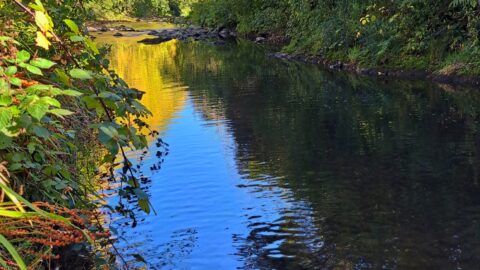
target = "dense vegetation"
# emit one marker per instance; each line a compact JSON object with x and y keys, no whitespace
{"x":441,"y":36}
{"x":121,"y":9}
{"x":65,"y":117}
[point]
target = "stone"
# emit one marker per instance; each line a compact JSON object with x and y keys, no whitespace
{"x":260,"y":40}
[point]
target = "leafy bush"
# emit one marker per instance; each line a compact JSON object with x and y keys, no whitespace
{"x":384,"y":33}
{"x":57,"y":97}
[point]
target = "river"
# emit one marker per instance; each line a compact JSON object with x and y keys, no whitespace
{"x":285,"y":165}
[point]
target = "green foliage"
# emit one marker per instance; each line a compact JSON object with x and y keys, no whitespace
{"x":120,"y":9}
{"x":57,"y":94}
{"x":370,"y":33}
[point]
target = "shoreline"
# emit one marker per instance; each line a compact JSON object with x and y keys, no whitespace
{"x":271,"y":39}
{"x":379,"y":72}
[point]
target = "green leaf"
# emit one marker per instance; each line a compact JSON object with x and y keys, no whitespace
{"x":4,"y":87}
{"x":91,"y":45}
{"x":23,"y":56}
{"x":41,"y":132}
{"x":109,"y":95}
{"x":77,"y":38}
{"x":42,"y":63}
{"x":5,"y":118}
{"x":5,"y":100}
{"x":38,"y":109}
{"x":60,"y":112}
{"x":16,"y":81}
{"x":62,"y":76}
{"x":108,"y":133}
{"x":80,"y":74}
{"x":32,"y":69}
{"x":91,"y":102}
{"x":5,"y":141}
{"x":8,"y":246}
{"x":144,"y":205}
{"x":72,"y":25}
{"x":11,"y":70}
{"x":50,"y":101}
{"x":71,"y":93}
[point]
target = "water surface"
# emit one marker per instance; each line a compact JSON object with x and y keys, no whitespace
{"x":282,"y":165}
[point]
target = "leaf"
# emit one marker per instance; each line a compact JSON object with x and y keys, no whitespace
{"x":5,"y":118}
{"x":41,"y":132}
{"x":16,"y":81}
{"x":42,"y":41}
{"x":23,"y":56}
{"x":37,"y":6}
{"x":60,"y":112}
{"x":144,"y":205}
{"x":91,"y":102}
{"x":71,"y":93}
{"x":80,"y":74}
{"x":5,"y":100}
{"x":4,"y":87}
{"x":42,"y":63}
{"x":42,"y":21}
{"x":108,"y":132}
{"x":11,"y":70}
{"x":62,"y":76}
{"x":38,"y":109}
{"x":76,"y":38}
{"x":91,"y":45}
{"x":72,"y":25}
{"x":8,"y":246}
{"x":50,"y":101}
{"x":5,"y":141}
{"x":32,"y":69}
{"x":37,"y":88}
{"x":109,"y":95}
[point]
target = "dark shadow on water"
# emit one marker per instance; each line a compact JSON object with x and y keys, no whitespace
{"x":339,"y":172}
{"x":389,"y":169}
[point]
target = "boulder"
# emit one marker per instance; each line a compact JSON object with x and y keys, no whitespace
{"x":336,"y":65}
{"x":103,"y":28}
{"x":125,"y":28}
{"x":224,"y":33}
{"x":260,"y":40}
{"x":92,"y":29}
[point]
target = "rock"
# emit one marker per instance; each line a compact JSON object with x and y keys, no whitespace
{"x":157,"y":40}
{"x":279,"y":55}
{"x":336,"y":65}
{"x":103,"y":28}
{"x":224,"y":33}
{"x":118,"y":34}
{"x":92,"y":29}
{"x":219,"y":43}
{"x":260,"y":40}
{"x":125,"y":28}
{"x":153,"y":33}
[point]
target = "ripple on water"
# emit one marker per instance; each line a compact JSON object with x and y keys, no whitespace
{"x":277,"y":165}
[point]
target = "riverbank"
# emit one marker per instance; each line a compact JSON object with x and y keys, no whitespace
{"x":446,"y":78}
{"x":218,"y":36}
{"x":433,"y":40}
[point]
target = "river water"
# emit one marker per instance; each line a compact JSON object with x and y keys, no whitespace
{"x":284,"y":165}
